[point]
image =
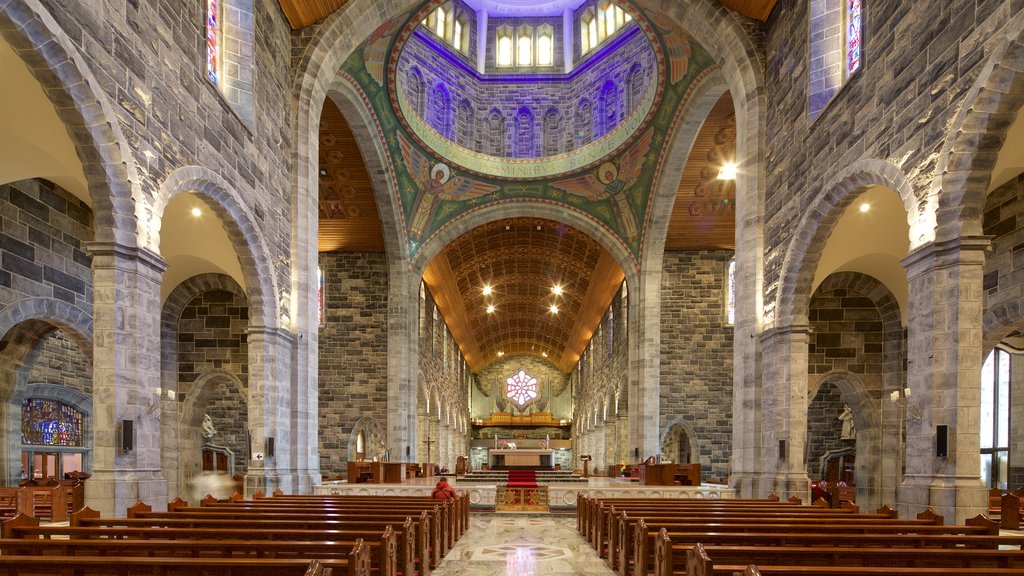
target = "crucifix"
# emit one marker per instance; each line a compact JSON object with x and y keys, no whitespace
{"x":428,"y":442}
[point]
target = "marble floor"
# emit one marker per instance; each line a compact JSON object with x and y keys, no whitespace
{"x":522,"y":545}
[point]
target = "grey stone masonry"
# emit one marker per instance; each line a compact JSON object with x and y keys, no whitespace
{"x":353,"y":351}
{"x":59,"y":360}
{"x":696,"y":354}
{"x":42,"y":229}
{"x":824,"y":427}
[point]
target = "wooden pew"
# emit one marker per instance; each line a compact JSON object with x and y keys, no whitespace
{"x":619,"y":525}
{"x":382,"y":554}
{"x":671,"y":550}
{"x":356,"y":564}
{"x":461,"y":502}
{"x":410,"y":539}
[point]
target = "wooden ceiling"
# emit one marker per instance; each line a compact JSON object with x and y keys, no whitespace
{"x":302,"y":13}
{"x":522,"y":259}
{"x":349,"y":221}
{"x":704,"y":216}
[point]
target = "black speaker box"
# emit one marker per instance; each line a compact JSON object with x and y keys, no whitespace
{"x":127,"y":435}
{"x":942,"y":441}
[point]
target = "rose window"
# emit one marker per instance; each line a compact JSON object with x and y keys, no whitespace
{"x":521,"y":387}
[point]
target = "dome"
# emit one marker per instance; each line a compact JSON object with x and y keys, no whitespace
{"x":485,"y":112}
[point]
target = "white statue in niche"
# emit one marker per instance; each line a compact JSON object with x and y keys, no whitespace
{"x":849,"y":428}
{"x":208,"y":429}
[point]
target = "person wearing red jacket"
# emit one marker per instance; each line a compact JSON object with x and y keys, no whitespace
{"x":443,"y":491}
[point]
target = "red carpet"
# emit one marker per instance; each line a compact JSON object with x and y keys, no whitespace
{"x":522,"y":479}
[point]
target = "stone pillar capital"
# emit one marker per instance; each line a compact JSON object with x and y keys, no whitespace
{"x":946,"y":253}
{"x":145,"y":256}
{"x":791,"y":332}
{"x":268,"y":333}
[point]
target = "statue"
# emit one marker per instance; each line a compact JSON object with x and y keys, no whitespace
{"x":849,"y":428}
{"x":208,"y":429}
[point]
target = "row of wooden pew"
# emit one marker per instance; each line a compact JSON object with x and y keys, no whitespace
{"x":53,"y":502}
{"x":738,"y":536}
{"x":280,"y":535}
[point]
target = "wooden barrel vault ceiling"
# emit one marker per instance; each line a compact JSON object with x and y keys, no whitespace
{"x":523,"y":258}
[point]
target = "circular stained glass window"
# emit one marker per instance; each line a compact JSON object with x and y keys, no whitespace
{"x":521,"y":387}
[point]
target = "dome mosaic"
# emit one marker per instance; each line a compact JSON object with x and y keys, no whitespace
{"x":574,"y":90}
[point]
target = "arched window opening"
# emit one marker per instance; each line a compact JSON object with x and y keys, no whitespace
{"x":440,"y":110}
{"x":545,"y":45}
{"x":496,"y":132}
{"x":634,"y":88}
{"x":835,"y":54}
{"x":552,"y":132}
{"x":730,"y":293}
{"x":524,"y":46}
{"x":600,"y":22}
{"x":606,"y":15}
{"x":995,"y":419}
{"x":320,"y":296}
{"x":449,"y":25}
{"x":524,"y":134}
{"x":588,"y":31}
{"x":230,"y":42}
{"x":465,"y":127}
{"x":609,"y":107}
{"x":504,"y":48}
{"x":415,"y":90}
{"x":361,"y":444}
{"x":583,"y":124}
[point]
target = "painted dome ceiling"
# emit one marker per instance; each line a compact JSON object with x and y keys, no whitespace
{"x":608,"y":180}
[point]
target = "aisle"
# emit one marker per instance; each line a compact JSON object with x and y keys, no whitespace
{"x":521,"y":545}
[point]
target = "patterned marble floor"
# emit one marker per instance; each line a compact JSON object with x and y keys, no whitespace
{"x":521,"y":545}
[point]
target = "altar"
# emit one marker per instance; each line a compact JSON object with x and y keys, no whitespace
{"x":520,"y":458}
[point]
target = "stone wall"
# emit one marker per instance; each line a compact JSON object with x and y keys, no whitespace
{"x":42,"y":228}
{"x":509,"y":95}
{"x":353,"y":346}
{"x":919,"y":59}
{"x":824,"y":427}
{"x":696,"y":354}
{"x":59,"y":360}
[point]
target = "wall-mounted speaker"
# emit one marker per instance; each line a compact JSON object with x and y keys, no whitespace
{"x":270,"y":446}
{"x":942,"y":441}
{"x":408,"y":449}
{"x":782,"y":449}
{"x":636,"y":454}
{"x":127,"y":435}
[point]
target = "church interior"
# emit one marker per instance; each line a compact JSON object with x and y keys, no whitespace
{"x":700,"y":249}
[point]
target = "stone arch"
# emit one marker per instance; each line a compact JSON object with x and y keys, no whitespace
{"x":975,"y":137}
{"x":61,"y":394}
{"x":441,"y":110}
{"x":242,"y":229}
{"x":108,"y":162}
{"x":77,"y":322}
{"x":812,"y":232}
{"x":374,"y":436}
{"x":691,"y":437}
{"x":524,"y":134}
{"x":189,"y":434}
{"x":867,"y":419}
{"x":496,"y":133}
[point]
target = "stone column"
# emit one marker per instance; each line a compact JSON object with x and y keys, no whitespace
{"x":784,"y":411}
{"x":126,"y":378}
{"x":943,"y":374}
{"x":644,"y":345}
{"x":271,"y":392}
{"x":403,"y":423}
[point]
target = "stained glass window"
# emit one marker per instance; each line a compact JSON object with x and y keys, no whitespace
{"x":50,"y":423}
{"x":521,"y":387}
{"x":319,"y":295}
{"x":853,"y":36}
{"x":545,"y":46}
{"x":213,"y":21}
{"x":730,"y":293}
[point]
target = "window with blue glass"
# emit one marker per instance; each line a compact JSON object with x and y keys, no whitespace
{"x":50,"y":423}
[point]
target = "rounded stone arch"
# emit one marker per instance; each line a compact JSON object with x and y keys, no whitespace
{"x":867,"y":419}
{"x":691,"y":436}
{"x":58,"y":313}
{"x":999,"y":322}
{"x":190,"y":441}
{"x":202,"y":391}
{"x":246,"y":237}
{"x":373,"y":435}
{"x":107,"y":160}
{"x":808,"y":241}
{"x":976,"y":135}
